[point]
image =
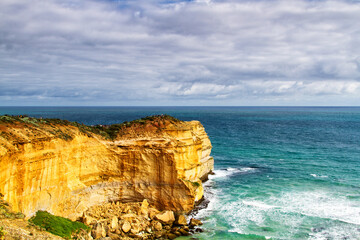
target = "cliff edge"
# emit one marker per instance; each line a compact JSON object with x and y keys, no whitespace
{"x":65,"y":168}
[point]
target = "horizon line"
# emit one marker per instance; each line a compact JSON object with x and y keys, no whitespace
{"x":184,"y":106}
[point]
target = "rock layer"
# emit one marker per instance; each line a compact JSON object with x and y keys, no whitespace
{"x":65,"y":168}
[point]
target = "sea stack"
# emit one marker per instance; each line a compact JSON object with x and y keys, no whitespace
{"x":66,"y":168}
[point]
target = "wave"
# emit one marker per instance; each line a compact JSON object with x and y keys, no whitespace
{"x":337,"y":216}
{"x":224,"y":173}
{"x":318,"y":176}
{"x":259,"y":204}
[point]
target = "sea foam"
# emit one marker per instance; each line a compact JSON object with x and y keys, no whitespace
{"x":228,"y":172}
{"x":292,"y":210}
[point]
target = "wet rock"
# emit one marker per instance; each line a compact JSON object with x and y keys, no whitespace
{"x":171,"y":236}
{"x":195,"y":222}
{"x":199,"y":230}
{"x":181,"y":220}
{"x":184,"y":232}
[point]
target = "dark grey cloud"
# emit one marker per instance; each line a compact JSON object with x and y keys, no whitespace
{"x":272,"y":52}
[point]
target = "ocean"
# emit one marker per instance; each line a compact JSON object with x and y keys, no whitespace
{"x":280,"y":172}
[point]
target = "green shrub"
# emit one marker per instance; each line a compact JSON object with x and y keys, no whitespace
{"x":2,"y":233}
{"x":195,"y":184}
{"x":59,"y":226}
{"x":106,"y":131}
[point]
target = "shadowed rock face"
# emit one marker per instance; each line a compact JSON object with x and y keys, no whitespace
{"x":65,"y":168}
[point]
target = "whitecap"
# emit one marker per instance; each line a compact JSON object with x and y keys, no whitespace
{"x":322,"y":204}
{"x":335,"y":232}
{"x":291,"y":209}
{"x":258,"y":204}
{"x":318,"y":176}
{"x":223,"y":173}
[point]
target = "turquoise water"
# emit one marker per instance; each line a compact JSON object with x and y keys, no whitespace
{"x":281,"y":173}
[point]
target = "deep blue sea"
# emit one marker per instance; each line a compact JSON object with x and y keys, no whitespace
{"x":281,"y":172}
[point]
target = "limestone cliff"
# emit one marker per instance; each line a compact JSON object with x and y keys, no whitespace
{"x":65,"y":167}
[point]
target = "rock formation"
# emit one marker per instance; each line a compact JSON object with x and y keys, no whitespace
{"x":129,"y":221}
{"x":65,"y":168}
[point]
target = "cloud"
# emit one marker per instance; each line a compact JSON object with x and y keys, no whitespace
{"x":179,"y":52}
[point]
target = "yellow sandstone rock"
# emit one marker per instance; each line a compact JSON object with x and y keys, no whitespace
{"x":66,"y":168}
{"x":144,"y":209}
{"x":181,"y":220}
{"x":158,"y":226}
{"x":166,"y":217}
{"x":126,"y":227}
{"x":114,"y":223}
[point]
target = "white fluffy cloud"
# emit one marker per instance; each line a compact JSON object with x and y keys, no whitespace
{"x":266,"y":52}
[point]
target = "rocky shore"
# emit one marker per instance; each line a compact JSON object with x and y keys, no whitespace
{"x":111,"y":221}
{"x":137,"y":220}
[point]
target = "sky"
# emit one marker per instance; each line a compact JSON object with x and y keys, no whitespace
{"x":180,"y":53}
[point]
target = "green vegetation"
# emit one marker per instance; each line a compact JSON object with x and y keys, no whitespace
{"x":2,"y":233}
{"x":106,"y":131}
{"x":59,"y":226}
{"x":5,"y":210}
{"x":195,"y":184}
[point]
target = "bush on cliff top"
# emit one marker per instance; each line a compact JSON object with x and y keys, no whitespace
{"x":59,"y":226}
{"x":107,"y":131}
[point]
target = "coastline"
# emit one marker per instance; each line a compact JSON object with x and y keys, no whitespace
{"x":149,"y":171}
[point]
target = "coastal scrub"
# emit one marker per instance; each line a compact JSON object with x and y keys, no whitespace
{"x":59,"y":226}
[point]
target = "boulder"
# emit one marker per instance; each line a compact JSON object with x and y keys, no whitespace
{"x":126,"y":226}
{"x":171,"y":236}
{"x":184,"y":233}
{"x":98,"y":231}
{"x":114,"y":236}
{"x":195,"y":222}
{"x":166,"y":217}
{"x":157,"y":226}
{"x":135,"y":226}
{"x":144,"y":209}
{"x":88,"y":220}
{"x":152,"y":212}
{"x":114,"y":224}
{"x":181,"y":220}
{"x":128,"y":216}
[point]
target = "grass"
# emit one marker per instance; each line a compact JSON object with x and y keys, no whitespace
{"x":56,"y":225}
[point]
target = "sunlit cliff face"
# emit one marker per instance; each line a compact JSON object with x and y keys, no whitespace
{"x":65,"y":168}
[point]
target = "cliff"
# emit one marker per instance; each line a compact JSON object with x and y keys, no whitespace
{"x":65,"y":167}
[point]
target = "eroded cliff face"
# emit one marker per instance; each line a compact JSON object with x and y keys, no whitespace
{"x":65,"y":168}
